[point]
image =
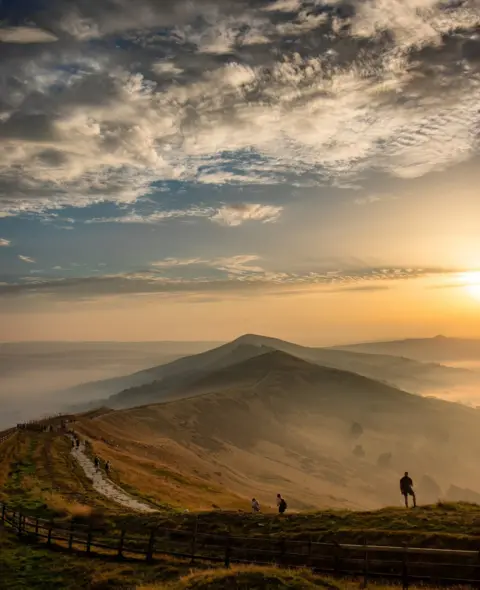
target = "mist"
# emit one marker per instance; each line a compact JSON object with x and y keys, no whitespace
{"x":36,"y":377}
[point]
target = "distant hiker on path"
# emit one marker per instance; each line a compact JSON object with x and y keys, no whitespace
{"x":255,"y":505}
{"x":406,"y":488}
{"x":107,"y":467}
{"x":281,"y":504}
{"x":96,"y":462}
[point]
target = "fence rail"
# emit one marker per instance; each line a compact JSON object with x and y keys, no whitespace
{"x":6,"y":434}
{"x":406,"y":565}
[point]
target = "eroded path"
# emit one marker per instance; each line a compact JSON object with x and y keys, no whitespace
{"x":104,"y":486}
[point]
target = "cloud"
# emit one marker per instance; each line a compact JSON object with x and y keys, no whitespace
{"x":233,"y":215}
{"x":230,"y":215}
{"x":25,"y":35}
{"x":240,"y":274}
{"x":4,"y":242}
{"x":370,"y":199}
{"x":183,"y":91}
{"x":26,"y":259}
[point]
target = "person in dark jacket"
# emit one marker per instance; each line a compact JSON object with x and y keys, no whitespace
{"x":281,"y":504}
{"x":406,"y":489}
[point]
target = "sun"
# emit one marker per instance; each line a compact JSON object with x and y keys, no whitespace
{"x":471,"y":281}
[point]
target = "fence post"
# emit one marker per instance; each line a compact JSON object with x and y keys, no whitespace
{"x":120,"y":543}
{"x":20,"y":524}
{"x":309,"y":556}
{"x":151,"y":543}
{"x":194,"y":539}
{"x":365,"y":565}
{"x":405,"y":569}
{"x":89,"y":541}
{"x":227,"y":552}
{"x":36,"y":528}
{"x":478,"y":571}
{"x":282,"y":550}
{"x":70,"y":537}
{"x":49,"y":538}
{"x":336,"y":558}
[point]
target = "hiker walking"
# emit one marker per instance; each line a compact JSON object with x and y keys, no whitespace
{"x":77,"y":442}
{"x":281,"y":504}
{"x":406,"y":489}
{"x":255,"y":506}
{"x":96,"y":462}
{"x":107,"y":467}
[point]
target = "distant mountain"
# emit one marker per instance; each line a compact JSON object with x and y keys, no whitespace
{"x":277,"y":423}
{"x":165,"y":381}
{"x":438,"y":349}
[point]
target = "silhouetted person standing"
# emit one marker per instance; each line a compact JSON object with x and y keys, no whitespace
{"x":406,"y":488}
{"x":96,"y":462}
{"x":107,"y":467}
{"x":255,"y":505}
{"x":281,"y":504}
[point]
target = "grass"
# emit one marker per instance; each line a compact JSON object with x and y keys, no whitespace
{"x":441,"y":525}
{"x":39,"y":477}
{"x":247,"y":578}
{"x":24,"y":567}
{"x":154,"y":476}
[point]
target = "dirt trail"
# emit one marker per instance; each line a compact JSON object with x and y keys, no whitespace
{"x":104,"y":486}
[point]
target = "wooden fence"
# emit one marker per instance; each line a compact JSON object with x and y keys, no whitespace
{"x":406,"y":565}
{"x":6,"y":434}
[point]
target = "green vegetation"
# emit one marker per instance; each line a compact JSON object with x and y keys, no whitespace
{"x":39,"y":477}
{"x":247,"y":578}
{"x":444,"y":525}
{"x":24,"y":567}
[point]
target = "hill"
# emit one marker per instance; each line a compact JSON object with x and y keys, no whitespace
{"x":437,"y":349}
{"x":165,"y":381}
{"x":322,"y":436}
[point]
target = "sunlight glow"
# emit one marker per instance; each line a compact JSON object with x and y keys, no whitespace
{"x":472,"y":283}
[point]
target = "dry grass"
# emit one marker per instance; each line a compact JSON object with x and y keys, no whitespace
{"x":246,"y":578}
{"x":263,"y":578}
{"x":39,"y":476}
{"x":164,"y":474}
{"x":25,"y":567}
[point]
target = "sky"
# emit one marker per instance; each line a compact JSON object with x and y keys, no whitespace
{"x":195,"y":170}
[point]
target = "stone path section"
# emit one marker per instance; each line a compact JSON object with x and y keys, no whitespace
{"x":104,"y":486}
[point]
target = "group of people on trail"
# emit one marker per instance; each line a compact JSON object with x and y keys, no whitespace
{"x":281,"y":505}
{"x":96,"y":462}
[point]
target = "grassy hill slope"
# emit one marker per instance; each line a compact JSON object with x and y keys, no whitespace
{"x":163,"y":382}
{"x":276,"y":423}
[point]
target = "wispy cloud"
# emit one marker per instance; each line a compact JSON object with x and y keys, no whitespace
{"x":26,"y":259}
{"x":236,"y":275}
{"x":25,"y":35}
{"x":371,"y":199}
{"x":4,"y":242}
{"x":308,"y":89}
{"x":231,"y":215}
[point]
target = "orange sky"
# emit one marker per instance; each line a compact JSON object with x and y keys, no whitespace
{"x":311,"y":315}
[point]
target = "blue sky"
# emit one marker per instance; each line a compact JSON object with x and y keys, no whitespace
{"x":234,"y":147}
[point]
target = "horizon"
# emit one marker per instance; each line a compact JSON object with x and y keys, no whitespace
{"x":237,"y":337}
